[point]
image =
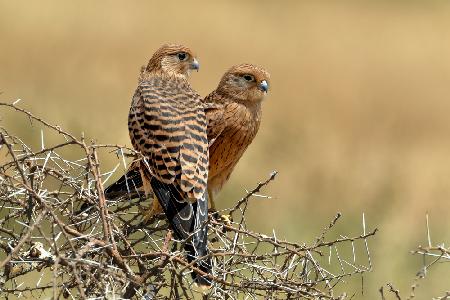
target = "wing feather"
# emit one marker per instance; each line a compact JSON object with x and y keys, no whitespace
{"x":174,"y":135}
{"x":169,"y":126}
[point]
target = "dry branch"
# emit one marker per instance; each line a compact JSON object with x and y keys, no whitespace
{"x":106,"y":250}
{"x":431,"y":255}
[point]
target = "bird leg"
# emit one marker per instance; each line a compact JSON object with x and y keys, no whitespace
{"x":226,"y":219}
{"x":149,"y":213}
{"x":156,"y":208}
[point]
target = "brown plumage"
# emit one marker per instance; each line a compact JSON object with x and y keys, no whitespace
{"x":234,"y":115}
{"x":167,"y":124}
{"x":234,"y":120}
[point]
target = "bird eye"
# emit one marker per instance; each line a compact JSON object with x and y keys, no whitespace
{"x":182,"y":56}
{"x":249,"y":77}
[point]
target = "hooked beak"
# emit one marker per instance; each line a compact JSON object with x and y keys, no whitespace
{"x":264,"y":86}
{"x":195,"y":65}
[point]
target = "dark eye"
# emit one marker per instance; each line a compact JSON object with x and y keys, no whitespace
{"x":182,"y":56}
{"x":248,"y":77}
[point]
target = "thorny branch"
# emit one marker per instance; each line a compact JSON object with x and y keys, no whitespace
{"x":431,"y":255}
{"x":106,"y":250}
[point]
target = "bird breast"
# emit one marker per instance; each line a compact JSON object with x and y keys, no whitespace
{"x":240,"y":127}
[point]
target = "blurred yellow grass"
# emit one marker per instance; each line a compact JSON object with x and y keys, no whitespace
{"x":356,"y":120}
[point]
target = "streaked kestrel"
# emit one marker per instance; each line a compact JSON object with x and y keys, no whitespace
{"x":233,"y":120}
{"x":168,"y":125}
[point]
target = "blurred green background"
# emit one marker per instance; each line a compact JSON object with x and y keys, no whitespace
{"x":357,"y":118}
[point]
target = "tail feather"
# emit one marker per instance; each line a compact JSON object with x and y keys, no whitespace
{"x":130,"y":185}
{"x":200,"y":240}
{"x":179,"y":213}
{"x":187,"y":218}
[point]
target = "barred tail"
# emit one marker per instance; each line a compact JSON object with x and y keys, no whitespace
{"x":187,"y":218}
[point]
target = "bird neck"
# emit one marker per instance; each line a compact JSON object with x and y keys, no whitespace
{"x":146,"y":75}
{"x":243,"y":107}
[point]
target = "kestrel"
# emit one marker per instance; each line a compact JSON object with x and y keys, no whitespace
{"x":233,"y":120}
{"x":168,"y":125}
{"x":233,"y":111}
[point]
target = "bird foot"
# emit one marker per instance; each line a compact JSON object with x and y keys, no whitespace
{"x":225,"y":219}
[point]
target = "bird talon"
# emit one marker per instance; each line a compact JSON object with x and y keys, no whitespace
{"x":225,"y":219}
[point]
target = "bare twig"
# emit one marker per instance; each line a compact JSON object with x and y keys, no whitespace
{"x":106,"y":251}
{"x":254,"y":191}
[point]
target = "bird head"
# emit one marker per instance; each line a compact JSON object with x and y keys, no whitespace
{"x":173,"y":59}
{"x":245,"y":82}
